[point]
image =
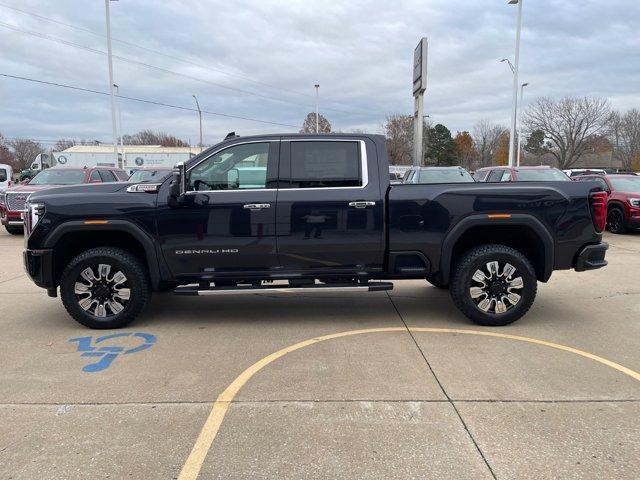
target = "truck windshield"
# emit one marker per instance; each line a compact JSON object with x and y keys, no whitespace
{"x":437,"y":175}
{"x":58,"y":177}
{"x":626,"y":184}
{"x":541,"y":175}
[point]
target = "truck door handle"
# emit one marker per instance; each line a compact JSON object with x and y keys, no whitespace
{"x":362,"y":204}
{"x":256,"y":206}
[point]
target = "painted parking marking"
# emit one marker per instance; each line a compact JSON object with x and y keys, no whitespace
{"x":106,"y":354}
{"x":193,"y":464}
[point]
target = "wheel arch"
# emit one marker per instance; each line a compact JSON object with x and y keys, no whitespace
{"x":73,"y":237}
{"x":517,"y":231}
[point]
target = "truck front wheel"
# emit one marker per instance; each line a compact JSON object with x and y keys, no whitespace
{"x":493,"y":285}
{"x":104,"y":287}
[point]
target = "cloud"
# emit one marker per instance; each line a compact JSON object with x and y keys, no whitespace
{"x":260,"y":59}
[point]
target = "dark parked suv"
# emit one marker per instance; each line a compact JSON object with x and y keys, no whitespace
{"x":623,"y":199}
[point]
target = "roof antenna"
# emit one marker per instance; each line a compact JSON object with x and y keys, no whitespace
{"x":231,"y":135}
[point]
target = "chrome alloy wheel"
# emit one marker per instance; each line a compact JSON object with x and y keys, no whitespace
{"x":102,"y":295}
{"x":495,"y":292}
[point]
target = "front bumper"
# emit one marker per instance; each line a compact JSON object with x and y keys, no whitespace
{"x":39,"y":266}
{"x":11,"y":218}
{"x":591,"y":257}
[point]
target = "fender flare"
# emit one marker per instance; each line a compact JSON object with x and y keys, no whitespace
{"x":465,"y":224}
{"x":78,"y":226}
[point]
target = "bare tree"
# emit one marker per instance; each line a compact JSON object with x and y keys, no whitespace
{"x":25,"y":152}
{"x":398,"y":130}
{"x":625,"y":137}
{"x":63,"y":144}
{"x":6,"y":156}
{"x":572,"y":125}
{"x":486,"y":137}
{"x":149,"y":137}
{"x":309,"y":124}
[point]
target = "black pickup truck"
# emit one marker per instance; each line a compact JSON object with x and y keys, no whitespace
{"x":281,"y":213}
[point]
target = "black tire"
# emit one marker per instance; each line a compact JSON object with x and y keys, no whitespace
{"x":616,"y":222}
{"x":14,"y":230}
{"x":463,"y":285}
{"x":437,"y":283}
{"x":136,"y":282}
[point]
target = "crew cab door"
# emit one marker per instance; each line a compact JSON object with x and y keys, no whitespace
{"x":227,"y":221}
{"x":330,"y":209}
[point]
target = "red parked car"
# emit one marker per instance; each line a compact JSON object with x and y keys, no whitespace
{"x":520,"y":174}
{"x":12,"y":200}
{"x":623,"y":201}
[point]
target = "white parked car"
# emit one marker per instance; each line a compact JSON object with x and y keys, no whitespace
{"x":6,"y":176}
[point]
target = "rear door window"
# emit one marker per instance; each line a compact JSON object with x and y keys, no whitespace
{"x":495,"y":175}
{"x":107,"y":176}
{"x":95,"y":177}
{"x":325,"y":164}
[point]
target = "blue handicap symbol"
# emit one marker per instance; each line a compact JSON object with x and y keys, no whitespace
{"x":108,"y":353}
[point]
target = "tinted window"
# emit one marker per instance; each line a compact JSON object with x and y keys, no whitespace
{"x":95,"y":177}
{"x":506,"y":176}
{"x":449,"y":175}
{"x":481,"y":176}
{"x":626,"y":184}
{"x":58,"y":177}
{"x":325,"y":164}
{"x":121,"y":175}
{"x":3,"y":174}
{"x":495,"y":175}
{"x":107,"y":176}
{"x":237,"y":167}
{"x":542,"y":175}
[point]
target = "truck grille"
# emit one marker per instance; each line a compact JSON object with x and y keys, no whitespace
{"x":16,"y":201}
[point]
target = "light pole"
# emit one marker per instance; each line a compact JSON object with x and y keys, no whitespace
{"x":514,"y":110}
{"x":520,"y":120}
{"x":199,"y":117}
{"x":509,"y":63}
{"x":113,"y":98}
{"x":317,"y":107}
{"x":119,"y":131}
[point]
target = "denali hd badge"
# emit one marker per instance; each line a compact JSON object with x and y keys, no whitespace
{"x":206,"y":251}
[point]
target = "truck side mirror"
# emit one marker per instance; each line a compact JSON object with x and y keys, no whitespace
{"x":178,"y":185}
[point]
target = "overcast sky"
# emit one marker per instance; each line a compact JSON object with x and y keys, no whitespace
{"x":261,"y":58}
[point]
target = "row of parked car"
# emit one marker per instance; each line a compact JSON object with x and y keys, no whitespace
{"x":14,"y":196}
{"x":623,"y":189}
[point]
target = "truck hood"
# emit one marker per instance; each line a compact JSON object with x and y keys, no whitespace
{"x":28,"y":188}
{"x":84,"y":188}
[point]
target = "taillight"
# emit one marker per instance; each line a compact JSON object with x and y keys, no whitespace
{"x":599,"y":210}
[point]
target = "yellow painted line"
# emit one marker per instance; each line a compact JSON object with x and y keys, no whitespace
{"x":196,"y":458}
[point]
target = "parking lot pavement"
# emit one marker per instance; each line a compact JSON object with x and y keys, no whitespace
{"x":381,"y":402}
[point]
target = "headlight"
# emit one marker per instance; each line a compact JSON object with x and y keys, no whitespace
{"x":32,"y":215}
{"x":635,"y":202}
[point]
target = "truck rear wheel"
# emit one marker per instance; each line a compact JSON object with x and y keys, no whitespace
{"x":494,"y":285}
{"x":104,"y":287}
